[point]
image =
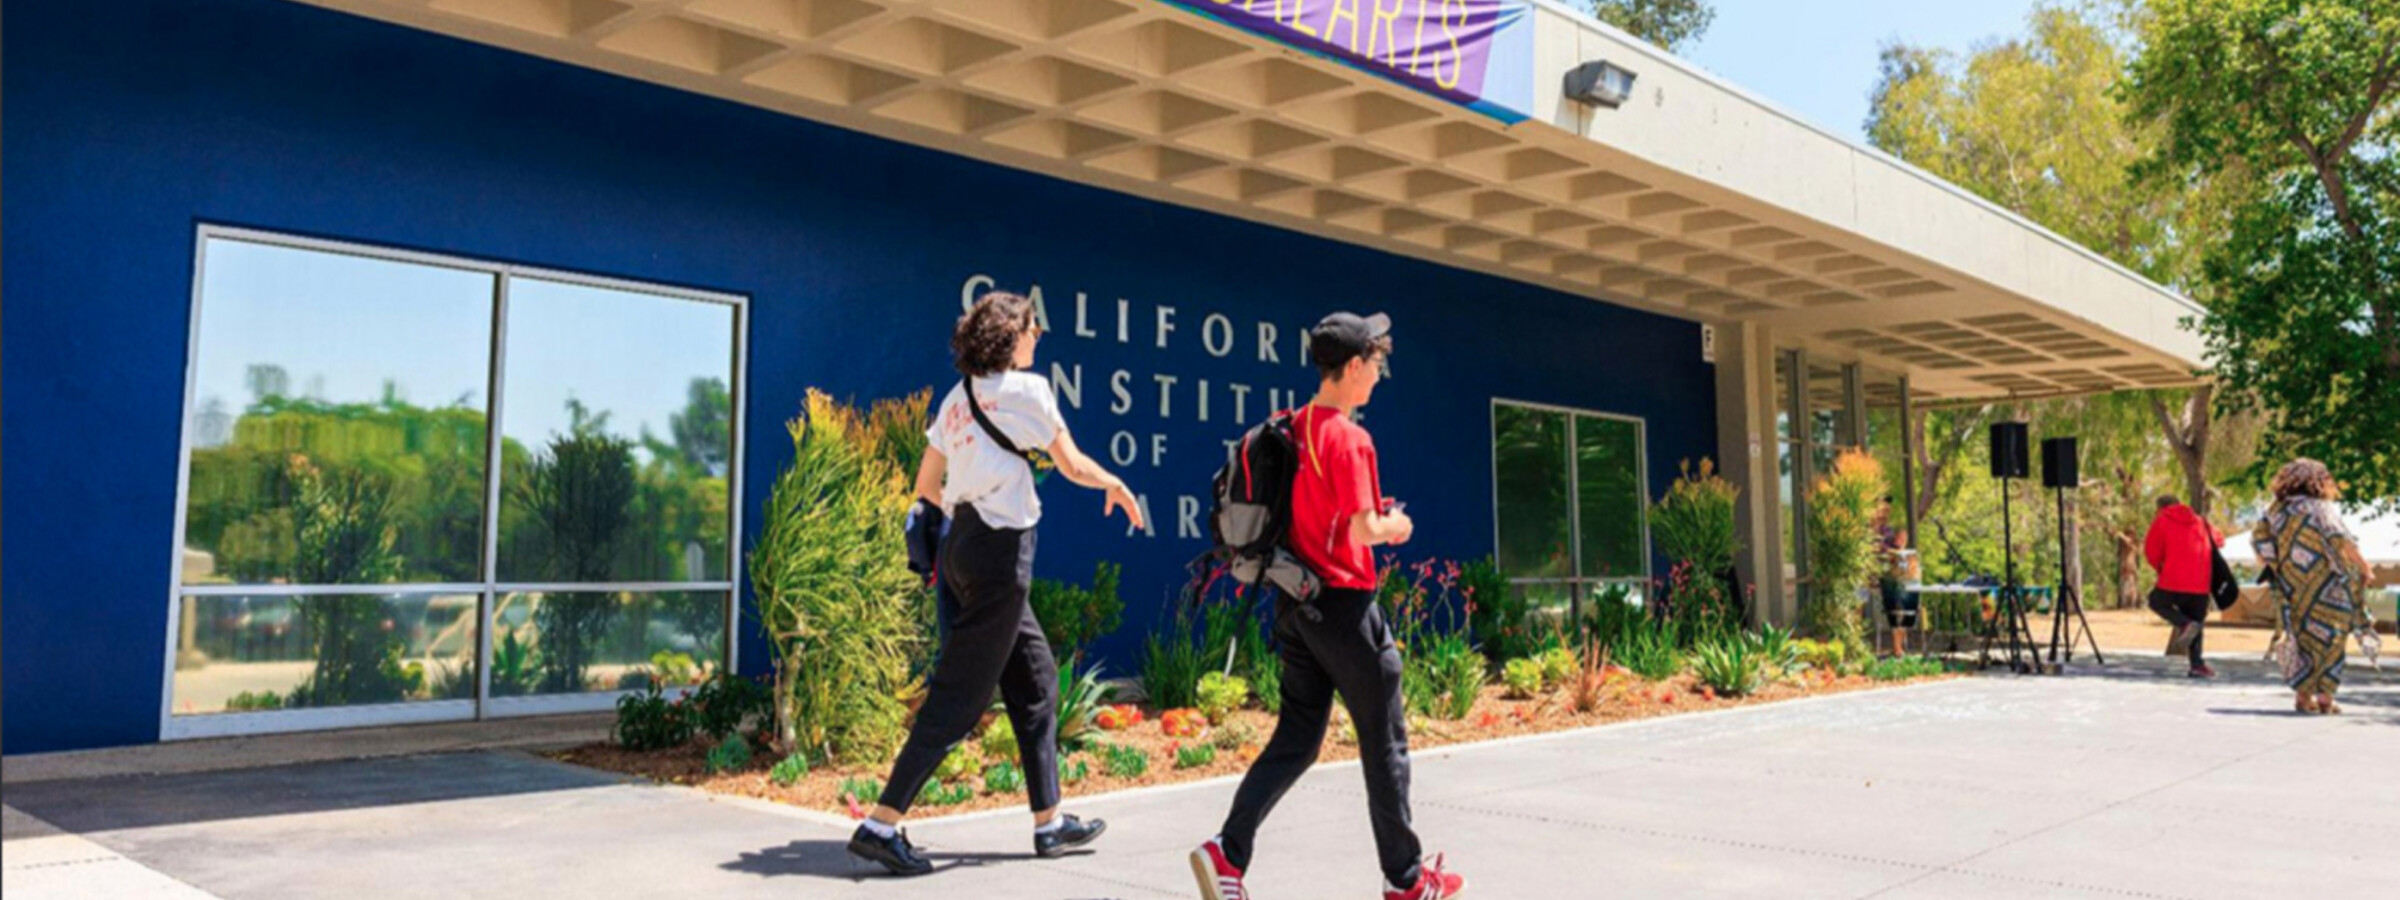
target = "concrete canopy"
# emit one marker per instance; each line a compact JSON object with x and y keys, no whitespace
{"x":1694,"y":198}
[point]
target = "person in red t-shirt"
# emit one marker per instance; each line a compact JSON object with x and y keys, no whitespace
{"x":1339,"y":643}
{"x":2179,"y":546}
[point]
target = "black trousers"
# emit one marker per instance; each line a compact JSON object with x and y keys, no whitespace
{"x":1348,"y":649}
{"x":2180,"y":609}
{"x":990,"y":639}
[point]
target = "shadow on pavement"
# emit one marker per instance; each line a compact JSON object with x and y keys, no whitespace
{"x":84,"y":806}
{"x":829,"y":859}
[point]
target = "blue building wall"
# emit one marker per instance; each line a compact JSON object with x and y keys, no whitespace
{"x":133,"y":124}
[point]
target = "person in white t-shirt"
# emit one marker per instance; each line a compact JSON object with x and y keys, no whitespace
{"x":991,"y":639}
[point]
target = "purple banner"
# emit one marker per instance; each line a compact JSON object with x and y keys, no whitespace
{"x":1477,"y":53}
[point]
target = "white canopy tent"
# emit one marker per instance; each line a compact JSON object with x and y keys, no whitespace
{"x":2378,"y":538}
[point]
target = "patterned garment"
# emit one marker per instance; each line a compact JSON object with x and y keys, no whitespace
{"x":2313,"y":584}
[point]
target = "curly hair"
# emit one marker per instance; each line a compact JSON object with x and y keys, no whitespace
{"x":2305,"y":477}
{"x":985,"y":342}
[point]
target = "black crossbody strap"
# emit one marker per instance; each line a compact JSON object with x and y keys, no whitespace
{"x":998,"y":437}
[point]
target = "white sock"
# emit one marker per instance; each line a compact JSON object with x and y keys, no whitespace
{"x":879,"y":829}
{"x":1055,"y":824}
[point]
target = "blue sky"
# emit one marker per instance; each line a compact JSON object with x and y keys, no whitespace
{"x":1816,"y":58}
{"x":342,"y":326}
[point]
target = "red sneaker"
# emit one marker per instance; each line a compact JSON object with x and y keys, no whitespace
{"x":1219,"y":880}
{"x":1432,"y":884}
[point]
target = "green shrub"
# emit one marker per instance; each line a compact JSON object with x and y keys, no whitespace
{"x":1172,"y":663}
{"x":1496,"y":611}
{"x":729,"y":703}
{"x":789,"y":770}
{"x":1461,"y":676}
{"x":730,"y":754}
{"x":1649,"y":652}
{"x":1221,"y":694}
{"x":1120,"y":761}
{"x":1193,"y":756}
{"x":1073,"y":771}
{"x":649,"y":721}
{"x":1072,"y":616}
{"x":1823,"y":655}
{"x":1558,"y":665}
{"x":1079,"y":701}
{"x":1774,"y":646}
{"x":831,"y":585}
{"x":1732,"y":667}
{"x":861,"y":789}
{"x":1003,"y":778}
{"x":1611,"y":616}
{"x":1000,"y":739}
{"x":1523,"y":677}
{"x":936,"y":793}
{"x":962,"y":761}
{"x":1266,"y":676}
{"x":1233,"y":736}
{"x":1904,"y":668}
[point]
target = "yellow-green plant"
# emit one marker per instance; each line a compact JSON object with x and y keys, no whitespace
{"x":1523,"y":678}
{"x":1000,"y":739}
{"x":1221,"y":694}
{"x":962,"y":761}
{"x":1841,"y":547}
{"x":1559,"y":665}
{"x":832,"y":588}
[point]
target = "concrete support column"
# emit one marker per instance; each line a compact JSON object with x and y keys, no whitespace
{"x":1746,"y":453}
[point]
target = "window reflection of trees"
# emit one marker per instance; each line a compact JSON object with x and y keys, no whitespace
{"x":292,"y":488}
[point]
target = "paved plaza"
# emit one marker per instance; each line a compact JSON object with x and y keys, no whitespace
{"x":2116,"y":783}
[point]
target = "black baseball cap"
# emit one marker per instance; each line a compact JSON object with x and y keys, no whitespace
{"x":1344,"y":336}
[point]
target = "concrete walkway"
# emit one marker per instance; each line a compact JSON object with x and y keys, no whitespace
{"x":2116,"y":784}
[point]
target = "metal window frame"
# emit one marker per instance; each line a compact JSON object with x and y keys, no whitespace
{"x":1577,"y":581}
{"x":484,"y":706}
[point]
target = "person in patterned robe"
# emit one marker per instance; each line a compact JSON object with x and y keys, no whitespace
{"x":2317,"y":569}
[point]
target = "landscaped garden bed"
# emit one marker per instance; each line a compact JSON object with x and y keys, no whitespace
{"x":850,"y":633}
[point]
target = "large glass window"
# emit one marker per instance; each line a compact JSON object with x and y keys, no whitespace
{"x":1570,"y":494}
{"x":345,"y":534}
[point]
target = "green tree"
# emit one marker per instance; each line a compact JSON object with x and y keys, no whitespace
{"x":1671,"y":24}
{"x":2304,"y":294}
{"x":2036,"y":125}
{"x":343,"y":528}
{"x":702,"y":431}
{"x":581,"y":497}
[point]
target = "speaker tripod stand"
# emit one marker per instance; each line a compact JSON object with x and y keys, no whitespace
{"x":2070,"y":599}
{"x":2024,"y":652}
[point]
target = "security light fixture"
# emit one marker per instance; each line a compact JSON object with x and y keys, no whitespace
{"x":1600,"y":83}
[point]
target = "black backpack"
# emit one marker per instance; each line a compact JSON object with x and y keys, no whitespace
{"x":1253,"y":514}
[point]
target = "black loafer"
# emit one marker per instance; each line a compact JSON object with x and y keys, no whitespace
{"x":1072,"y":835}
{"x":893,"y":853}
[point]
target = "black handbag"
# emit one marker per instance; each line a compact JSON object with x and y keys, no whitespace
{"x":2222,"y":586}
{"x":926,"y":525}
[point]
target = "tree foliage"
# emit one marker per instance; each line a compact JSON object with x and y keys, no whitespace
{"x":2035,"y":124}
{"x":1671,"y":24}
{"x":2304,"y":292}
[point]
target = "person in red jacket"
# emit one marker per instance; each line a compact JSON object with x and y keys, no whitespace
{"x":2179,"y":546}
